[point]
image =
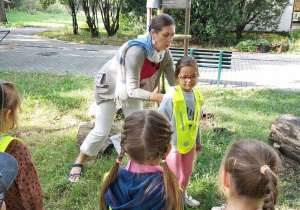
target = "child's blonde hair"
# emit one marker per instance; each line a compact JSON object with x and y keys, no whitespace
{"x":184,"y":61}
{"x":145,"y":137}
{"x":243,"y":160}
{"x":9,"y":100}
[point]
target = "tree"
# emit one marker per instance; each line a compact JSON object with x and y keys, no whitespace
{"x":72,"y":5}
{"x":133,"y":15}
{"x":212,"y":20}
{"x":135,"y":9}
{"x":3,"y":18}
{"x":261,"y":14}
{"x":90,"y":6}
{"x":110,"y":13}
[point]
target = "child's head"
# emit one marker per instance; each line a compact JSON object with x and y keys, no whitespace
{"x":249,"y":170}
{"x":186,"y":73}
{"x":10,"y":102}
{"x":146,"y":137}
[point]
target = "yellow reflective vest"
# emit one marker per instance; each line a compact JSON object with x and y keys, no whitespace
{"x":186,"y":129}
{"x":5,"y":141}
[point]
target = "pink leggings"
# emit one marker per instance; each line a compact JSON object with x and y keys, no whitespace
{"x":182,"y":166}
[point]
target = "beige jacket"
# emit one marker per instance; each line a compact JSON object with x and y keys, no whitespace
{"x":105,"y":80}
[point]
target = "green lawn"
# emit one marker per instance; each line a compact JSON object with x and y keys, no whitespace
{"x":41,"y":19}
{"x":53,"y":106}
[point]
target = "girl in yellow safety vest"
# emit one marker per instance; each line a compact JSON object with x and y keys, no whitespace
{"x":182,"y":106}
{"x":26,"y":190}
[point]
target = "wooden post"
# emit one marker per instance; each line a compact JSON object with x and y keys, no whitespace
{"x":149,"y":15}
{"x":187,"y":31}
{"x":161,"y":87}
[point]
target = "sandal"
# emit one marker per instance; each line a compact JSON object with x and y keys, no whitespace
{"x":76,"y":174}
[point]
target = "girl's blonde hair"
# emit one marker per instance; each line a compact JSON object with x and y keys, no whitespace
{"x":243,"y":161}
{"x":9,"y":100}
{"x":184,"y":61}
{"x":145,"y":137}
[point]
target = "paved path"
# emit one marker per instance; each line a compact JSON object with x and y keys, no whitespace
{"x":20,"y":51}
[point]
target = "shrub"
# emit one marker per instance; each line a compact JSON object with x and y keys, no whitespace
{"x":269,"y":36}
{"x":247,"y":46}
{"x":262,"y":41}
{"x":296,"y":34}
{"x":283,"y":42}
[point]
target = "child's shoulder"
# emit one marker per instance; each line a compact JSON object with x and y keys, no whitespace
{"x":171,"y":90}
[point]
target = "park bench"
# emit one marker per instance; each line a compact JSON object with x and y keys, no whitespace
{"x":5,"y":34}
{"x":206,"y":58}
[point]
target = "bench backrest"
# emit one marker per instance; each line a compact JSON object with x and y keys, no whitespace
{"x":205,"y":58}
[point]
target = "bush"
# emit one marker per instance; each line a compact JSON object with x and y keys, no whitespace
{"x":296,"y":34}
{"x":131,"y":22}
{"x":246,"y":46}
{"x":269,"y":36}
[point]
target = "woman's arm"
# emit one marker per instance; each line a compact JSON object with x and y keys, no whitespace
{"x":156,"y":97}
{"x":169,"y":69}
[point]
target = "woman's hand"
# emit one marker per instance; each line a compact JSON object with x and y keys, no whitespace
{"x":198,"y":147}
{"x":156,"y":97}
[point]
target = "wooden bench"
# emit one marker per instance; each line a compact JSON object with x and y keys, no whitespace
{"x":206,"y":58}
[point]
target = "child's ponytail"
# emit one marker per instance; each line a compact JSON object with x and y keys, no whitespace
{"x":173,"y":195}
{"x":111,"y":177}
{"x":271,"y":190}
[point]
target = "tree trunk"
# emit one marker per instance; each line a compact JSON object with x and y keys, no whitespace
{"x":75,"y":24}
{"x":110,"y":13}
{"x":3,"y":18}
{"x":88,"y":6}
{"x":73,"y":6}
{"x":239,"y":32}
{"x":285,"y":134}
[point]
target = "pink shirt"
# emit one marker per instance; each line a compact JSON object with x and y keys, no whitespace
{"x":139,"y":168}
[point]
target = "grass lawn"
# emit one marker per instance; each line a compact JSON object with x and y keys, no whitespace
{"x":53,"y":106}
{"x":40,"y":19}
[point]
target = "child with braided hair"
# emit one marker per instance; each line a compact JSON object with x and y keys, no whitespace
{"x":248,"y":175}
{"x":143,"y":184}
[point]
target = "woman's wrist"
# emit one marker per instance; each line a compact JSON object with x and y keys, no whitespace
{"x":156,"y":97}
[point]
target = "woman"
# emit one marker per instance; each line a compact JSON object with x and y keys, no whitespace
{"x":129,"y":77}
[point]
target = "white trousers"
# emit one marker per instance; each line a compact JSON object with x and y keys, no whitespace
{"x":105,"y":113}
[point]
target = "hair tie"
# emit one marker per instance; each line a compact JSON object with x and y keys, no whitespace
{"x":164,"y":161}
{"x":118,"y":161}
{"x":149,"y":29}
{"x":263,"y":169}
{"x":233,"y":167}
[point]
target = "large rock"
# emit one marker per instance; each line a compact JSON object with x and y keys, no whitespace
{"x":85,"y":128}
{"x":285,"y":135}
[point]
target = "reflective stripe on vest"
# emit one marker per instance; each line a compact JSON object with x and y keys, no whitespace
{"x":186,"y":129}
{"x":5,"y":141}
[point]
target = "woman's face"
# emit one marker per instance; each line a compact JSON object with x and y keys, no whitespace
{"x":164,"y":38}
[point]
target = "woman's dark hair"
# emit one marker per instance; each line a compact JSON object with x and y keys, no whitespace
{"x":145,"y":137}
{"x":243,"y":161}
{"x":160,"y":21}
